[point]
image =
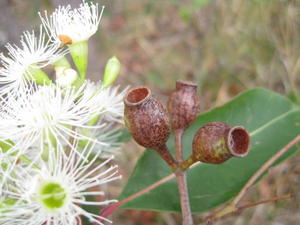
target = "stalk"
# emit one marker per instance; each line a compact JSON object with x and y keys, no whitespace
{"x":182,"y":182}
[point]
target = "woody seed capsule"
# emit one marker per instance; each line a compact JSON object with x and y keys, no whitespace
{"x":183,"y":105}
{"x":147,"y":121}
{"x":146,"y":118}
{"x":216,"y":142}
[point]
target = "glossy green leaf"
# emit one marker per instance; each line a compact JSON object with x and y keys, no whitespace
{"x":272,"y":121}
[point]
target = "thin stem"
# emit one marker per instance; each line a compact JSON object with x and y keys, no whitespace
{"x":277,"y":198}
{"x":184,"y":198}
{"x":182,"y":182}
{"x":178,"y":145}
{"x":230,"y":210}
{"x":188,"y":163}
{"x":264,"y":167}
{"x":164,"y":152}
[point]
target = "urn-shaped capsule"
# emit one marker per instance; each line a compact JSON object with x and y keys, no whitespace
{"x":216,"y":142}
{"x":146,"y":118}
{"x":183,"y":105}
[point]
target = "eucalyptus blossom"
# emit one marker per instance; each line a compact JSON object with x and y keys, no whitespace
{"x":111,"y":99}
{"x":23,"y":63}
{"x":72,"y":25}
{"x":57,"y":137}
{"x":52,"y":115}
{"x":55,"y":191}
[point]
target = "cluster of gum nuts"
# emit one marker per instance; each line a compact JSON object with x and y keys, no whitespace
{"x":150,"y":124}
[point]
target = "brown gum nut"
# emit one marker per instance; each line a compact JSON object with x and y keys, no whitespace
{"x":183,"y":104}
{"x":146,"y":118}
{"x":216,"y":142}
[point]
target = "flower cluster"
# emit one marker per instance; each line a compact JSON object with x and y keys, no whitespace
{"x":57,"y":136}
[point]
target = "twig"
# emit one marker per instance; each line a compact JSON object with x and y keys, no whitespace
{"x":182,"y":183}
{"x":165,"y":154}
{"x":277,"y":198}
{"x":178,"y":145}
{"x":264,"y":167}
{"x":211,"y":219}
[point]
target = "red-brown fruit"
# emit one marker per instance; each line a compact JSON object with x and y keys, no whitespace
{"x":146,"y":118}
{"x":183,"y":105}
{"x":216,"y":142}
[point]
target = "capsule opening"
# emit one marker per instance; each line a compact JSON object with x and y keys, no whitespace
{"x":137,"y":95}
{"x":185,"y":84}
{"x":239,"y":141}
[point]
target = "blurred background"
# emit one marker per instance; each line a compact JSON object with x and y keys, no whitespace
{"x":225,"y":46}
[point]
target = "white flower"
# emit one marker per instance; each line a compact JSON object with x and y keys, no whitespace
{"x":18,"y":66}
{"x":109,"y":134}
{"x":110,"y":99}
{"x":71,"y":26}
{"x":54,"y":193}
{"x":51,"y":114}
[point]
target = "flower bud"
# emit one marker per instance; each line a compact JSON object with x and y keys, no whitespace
{"x":146,"y":118}
{"x":112,"y":70}
{"x":183,"y":105}
{"x":216,"y":142}
{"x":65,"y":76}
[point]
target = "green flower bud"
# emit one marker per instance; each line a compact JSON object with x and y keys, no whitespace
{"x":111,"y":72}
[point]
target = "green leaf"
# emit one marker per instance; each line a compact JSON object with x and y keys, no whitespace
{"x":272,"y":121}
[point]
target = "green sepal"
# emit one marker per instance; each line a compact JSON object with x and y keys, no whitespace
{"x":79,"y":53}
{"x":37,"y":75}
